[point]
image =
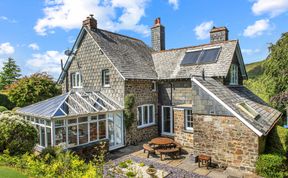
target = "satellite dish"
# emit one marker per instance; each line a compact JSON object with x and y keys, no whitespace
{"x":68,"y":52}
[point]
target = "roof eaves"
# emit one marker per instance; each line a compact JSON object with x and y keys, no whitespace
{"x":228,"y":108}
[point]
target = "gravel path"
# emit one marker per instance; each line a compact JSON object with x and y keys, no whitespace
{"x":174,"y":171}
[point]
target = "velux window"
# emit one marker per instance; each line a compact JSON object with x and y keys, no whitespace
{"x":105,"y":78}
{"x":76,"y":80}
{"x":234,"y":74}
{"x":188,"y":120}
{"x":145,"y":115}
{"x":248,"y":110}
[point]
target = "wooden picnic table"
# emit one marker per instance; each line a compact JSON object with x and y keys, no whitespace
{"x":162,"y":141}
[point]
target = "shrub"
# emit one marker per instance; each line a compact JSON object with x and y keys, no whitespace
{"x":271,"y":165}
{"x":3,"y":108}
{"x":16,"y":134}
{"x":277,"y":141}
{"x":4,"y":101}
{"x":123,"y":164}
{"x":129,"y":101}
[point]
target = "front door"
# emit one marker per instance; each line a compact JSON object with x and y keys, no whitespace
{"x":167,"y":120}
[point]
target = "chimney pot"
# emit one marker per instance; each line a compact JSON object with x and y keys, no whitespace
{"x":90,"y":22}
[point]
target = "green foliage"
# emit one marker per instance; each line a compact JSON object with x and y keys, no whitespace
{"x":16,"y":134}
{"x":129,"y":101}
{"x":3,"y":108}
{"x":29,"y":90}
{"x":123,"y":164}
{"x":277,"y":141}
{"x":255,"y":69}
{"x":131,"y":174}
{"x":64,"y":164}
{"x":271,"y":166}
{"x":141,"y":164}
{"x":4,"y":101}
{"x":10,"y":73}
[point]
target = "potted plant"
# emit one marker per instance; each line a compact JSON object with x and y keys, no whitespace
{"x":151,"y":170}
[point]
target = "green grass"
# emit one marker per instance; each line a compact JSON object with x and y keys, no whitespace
{"x":6,"y":172}
{"x":255,"y":69}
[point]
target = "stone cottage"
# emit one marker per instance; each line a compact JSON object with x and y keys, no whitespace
{"x":193,"y":94}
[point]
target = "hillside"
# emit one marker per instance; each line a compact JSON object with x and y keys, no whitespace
{"x":254,"y":69}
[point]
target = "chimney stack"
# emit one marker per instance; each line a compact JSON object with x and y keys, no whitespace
{"x":90,"y":22}
{"x":218,"y":34}
{"x":158,"y":35}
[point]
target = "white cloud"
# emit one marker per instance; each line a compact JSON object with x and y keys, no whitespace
{"x":46,"y":62}
{"x":6,"y":48}
{"x":258,"y":28}
{"x":202,"y":30}
{"x":174,"y":3}
{"x":250,"y":51}
{"x":271,"y":7}
{"x":4,"y":18}
{"x":112,"y":15}
{"x":34,"y":46}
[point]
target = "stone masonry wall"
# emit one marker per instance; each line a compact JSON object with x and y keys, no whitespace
{"x":182,"y":136}
{"x":90,"y":61}
{"x":143,"y":95}
{"x":227,"y":140}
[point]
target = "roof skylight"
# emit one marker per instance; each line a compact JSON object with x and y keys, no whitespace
{"x":248,"y":110}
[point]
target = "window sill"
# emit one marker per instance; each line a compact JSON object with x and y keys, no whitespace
{"x":147,"y":125}
{"x":77,"y":87}
{"x":106,"y":86}
{"x":188,"y":131}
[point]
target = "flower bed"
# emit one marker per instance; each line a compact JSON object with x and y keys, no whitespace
{"x":130,"y":168}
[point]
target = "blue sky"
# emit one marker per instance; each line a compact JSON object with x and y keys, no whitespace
{"x":36,"y":33}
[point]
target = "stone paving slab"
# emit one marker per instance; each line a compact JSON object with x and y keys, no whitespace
{"x":217,"y":174}
{"x":202,"y":171}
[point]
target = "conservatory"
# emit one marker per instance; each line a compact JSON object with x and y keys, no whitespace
{"x":76,"y":119}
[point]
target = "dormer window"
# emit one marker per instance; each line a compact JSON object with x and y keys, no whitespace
{"x":76,"y":80}
{"x":234,"y":74}
{"x":105,"y":78}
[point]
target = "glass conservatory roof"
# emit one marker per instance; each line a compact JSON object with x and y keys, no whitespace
{"x":71,"y":103}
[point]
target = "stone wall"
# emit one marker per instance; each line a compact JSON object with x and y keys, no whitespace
{"x":227,"y":140}
{"x":181,"y":92}
{"x":142,"y":89}
{"x":182,"y":136}
{"x":90,"y":62}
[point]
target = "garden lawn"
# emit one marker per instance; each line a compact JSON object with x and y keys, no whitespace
{"x":6,"y":172}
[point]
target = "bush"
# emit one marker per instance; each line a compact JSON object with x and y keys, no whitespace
{"x":271,"y":166}
{"x":4,"y":101}
{"x":16,"y":134}
{"x":3,"y":108}
{"x":277,"y":141}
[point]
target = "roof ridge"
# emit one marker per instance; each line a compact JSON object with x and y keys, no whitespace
{"x":174,"y":49}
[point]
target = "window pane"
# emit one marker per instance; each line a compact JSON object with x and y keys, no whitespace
{"x":42,"y":142}
{"x":60,"y":135}
{"x":72,"y":121}
{"x":42,"y":121}
{"x":107,"y":79}
{"x":59,"y":123}
{"x":102,"y":116}
{"x":77,"y":80}
{"x":48,"y":123}
{"x":111,"y":132}
{"x":151,"y":114}
{"x":139,"y":116}
{"x":73,"y":79}
{"x":93,"y":131}
{"x":102,"y":129}
{"x":83,"y":133}
{"x":48,"y":135}
{"x":145,"y":114}
{"x":72,"y":135}
{"x":94,"y":118}
{"x":82,"y":119}
{"x":38,"y":133}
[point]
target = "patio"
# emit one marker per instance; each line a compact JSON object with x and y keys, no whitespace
{"x":180,"y":167}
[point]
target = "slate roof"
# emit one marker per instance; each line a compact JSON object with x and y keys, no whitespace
{"x":167,"y":63}
{"x":71,"y":104}
{"x":232,"y":95}
{"x":130,"y":56}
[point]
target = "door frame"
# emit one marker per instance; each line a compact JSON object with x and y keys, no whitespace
{"x":171,"y":123}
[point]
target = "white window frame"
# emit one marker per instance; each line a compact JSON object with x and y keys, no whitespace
{"x":186,"y":119}
{"x":154,"y":86}
{"x":104,"y":71}
{"x":74,"y":80}
{"x":234,"y":74}
{"x":148,"y":114}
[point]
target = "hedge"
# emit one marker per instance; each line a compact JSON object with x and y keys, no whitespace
{"x":271,"y":166}
{"x":277,"y":141}
{"x":4,"y":101}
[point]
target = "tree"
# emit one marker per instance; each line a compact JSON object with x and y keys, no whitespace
{"x":10,"y":73}
{"x":32,"y":89}
{"x":276,"y":72}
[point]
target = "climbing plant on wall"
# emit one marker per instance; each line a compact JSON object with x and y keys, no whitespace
{"x":129,"y":101}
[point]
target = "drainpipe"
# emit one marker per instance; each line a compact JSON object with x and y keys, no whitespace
{"x":171,"y":92}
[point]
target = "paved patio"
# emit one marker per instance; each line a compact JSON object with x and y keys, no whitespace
{"x":180,"y":167}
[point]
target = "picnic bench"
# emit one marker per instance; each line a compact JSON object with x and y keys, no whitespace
{"x":172,"y":151}
{"x":149,"y":149}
